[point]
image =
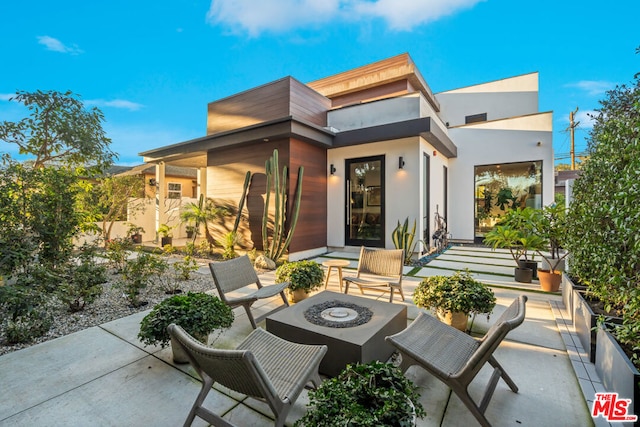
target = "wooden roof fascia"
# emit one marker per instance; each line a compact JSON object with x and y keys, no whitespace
{"x":389,"y":70}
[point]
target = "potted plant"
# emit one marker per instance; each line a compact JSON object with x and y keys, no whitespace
{"x":369,"y":394}
{"x":454,"y":297}
{"x":519,"y":242}
{"x":166,"y":235}
{"x":191,"y":230}
{"x":135,"y":233}
{"x":551,"y":225}
{"x":198,"y":313}
{"x":303,"y":277}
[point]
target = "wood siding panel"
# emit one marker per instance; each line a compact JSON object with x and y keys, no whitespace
{"x":401,"y":87}
{"x":264,"y":103}
{"x":307,"y":104}
{"x":311,"y":230}
{"x":282,"y":98}
{"x":226,"y":171}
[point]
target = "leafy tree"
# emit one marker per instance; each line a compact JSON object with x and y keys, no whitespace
{"x":604,"y":217}
{"x":59,"y":130}
{"x":111,"y":200}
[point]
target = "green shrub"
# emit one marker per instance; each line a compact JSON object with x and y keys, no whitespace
{"x":604,"y":216}
{"x":457,"y":293}
{"x":26,"y":316}
{"x":138,"y":273}
{"x":372,"y":394}
{"x":198,"y":313}
{"x":306,"y":275}
{"x":117,"y":252}
{"x":81,"y":283}
{"x":185,"y":267}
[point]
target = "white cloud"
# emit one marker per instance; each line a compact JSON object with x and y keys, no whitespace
{"x":585,"y":118}
{"x":403,"y":15}
{"x":255,"y":17}
{"x":6,"y":96}
{"x":116,"y":103}
{"x":57,"y":46}
{"x":593,"y":87}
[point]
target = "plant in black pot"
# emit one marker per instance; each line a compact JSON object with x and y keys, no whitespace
{"x":519,"y":242}
{"x":454,"y":297}
{"x":303,"y":277}
{"x":135,"y":232}
{"x":166,"y":235}
{"x":372,"y":394}
{"x":198,"y":313}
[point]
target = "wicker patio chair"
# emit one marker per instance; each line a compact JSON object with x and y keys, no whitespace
{"x":263,"y":366}
{"x":237,"y":273}
{"x":379,"y":269}
{"x":455,"y":357}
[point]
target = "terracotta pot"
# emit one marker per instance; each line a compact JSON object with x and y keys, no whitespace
{"x":550,"y":280}
{"x":297,"y":295}
{"x":457,"y":319}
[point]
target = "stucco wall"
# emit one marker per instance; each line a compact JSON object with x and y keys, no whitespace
{"x":404,"y":187}
{"x":491,"y":146}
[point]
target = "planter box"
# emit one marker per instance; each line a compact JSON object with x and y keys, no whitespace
{"x":617,"y":372}
{"x":584,"y":322}
{"x":567,"y":293}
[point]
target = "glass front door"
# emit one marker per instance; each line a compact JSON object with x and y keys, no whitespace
{"x":365,"y":202}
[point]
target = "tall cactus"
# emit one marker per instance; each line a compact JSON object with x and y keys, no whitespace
{"x":281,"y":238}
{"x":243,"y":197}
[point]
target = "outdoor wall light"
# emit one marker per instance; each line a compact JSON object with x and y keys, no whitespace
{"x":152,"y":182}
{"x":332,"y":169}
{"x":401,"y":163}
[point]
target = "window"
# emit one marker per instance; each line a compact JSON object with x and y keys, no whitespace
{"x":502,"y":187}
{"x":475,"y":118}
{"x":175,"y":190}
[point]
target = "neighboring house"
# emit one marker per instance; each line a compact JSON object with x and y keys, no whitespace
{"x":179,"y":181}
{"x":377,"y":147}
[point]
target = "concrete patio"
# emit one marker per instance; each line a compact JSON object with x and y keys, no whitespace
{"x":103,"y":376}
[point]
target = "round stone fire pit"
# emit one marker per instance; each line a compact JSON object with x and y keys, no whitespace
{"x":338,"y":314}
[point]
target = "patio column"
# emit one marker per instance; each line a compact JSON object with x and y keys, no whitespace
{"x":161,"y":213}
{"x":201,"y":185}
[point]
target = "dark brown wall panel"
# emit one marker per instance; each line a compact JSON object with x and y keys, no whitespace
{"x":311,"y":231}
{"x":264,"y":103}
{"x":227,"y":168}
{"x":307,"y":104}
{"x":282,"y":98}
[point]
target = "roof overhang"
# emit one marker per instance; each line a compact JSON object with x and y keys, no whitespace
{"x":194,"y":152}
{"x":415,"y":127}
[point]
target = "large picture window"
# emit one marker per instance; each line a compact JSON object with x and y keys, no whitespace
{"x":503,"y":187}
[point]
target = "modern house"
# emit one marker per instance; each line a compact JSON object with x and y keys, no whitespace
{"x":377,"y":146}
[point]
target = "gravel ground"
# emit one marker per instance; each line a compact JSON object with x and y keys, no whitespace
{"x":109,"y":306}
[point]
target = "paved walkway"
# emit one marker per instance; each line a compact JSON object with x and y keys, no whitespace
{"x":103,"y":376}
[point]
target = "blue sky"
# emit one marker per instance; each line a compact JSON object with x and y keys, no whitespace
{"x":152,"y":67}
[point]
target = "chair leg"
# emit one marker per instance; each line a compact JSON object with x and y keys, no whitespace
{"x":507,"y":379}
{"x":207,"y":383}
{"x":401,"y":293}
{"x":284,"y":298}
{"x":391,"y":294}
{"x":463,"y":395}
{"x":247,"y":308}
{"x":346,"y":286}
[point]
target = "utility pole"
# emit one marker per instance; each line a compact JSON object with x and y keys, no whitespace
{"x":572,"y":127}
